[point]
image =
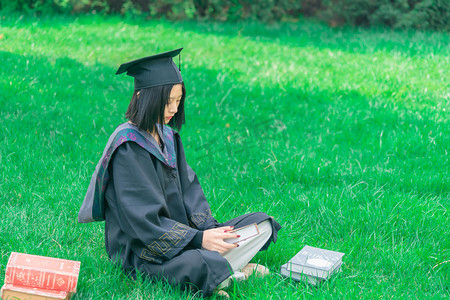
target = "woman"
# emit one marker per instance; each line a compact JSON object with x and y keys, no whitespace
{"x":157,"y":219}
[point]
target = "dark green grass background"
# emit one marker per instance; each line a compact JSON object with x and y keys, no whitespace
{"x":341,"y":135}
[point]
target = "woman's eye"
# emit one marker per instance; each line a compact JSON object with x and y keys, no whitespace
{"x":172,"y":101}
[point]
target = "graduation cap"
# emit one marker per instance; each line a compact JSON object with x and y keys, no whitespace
{"x":150,"y":71}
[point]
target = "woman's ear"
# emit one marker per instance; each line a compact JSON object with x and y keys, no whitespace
{"x":137,"y":94}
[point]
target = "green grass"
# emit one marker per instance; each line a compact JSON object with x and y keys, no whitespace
{"x":342,"y":134}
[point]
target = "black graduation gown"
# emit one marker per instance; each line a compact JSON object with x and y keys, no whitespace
{"x":153,"y":213}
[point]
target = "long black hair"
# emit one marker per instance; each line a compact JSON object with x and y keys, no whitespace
{"x":147,"y":106}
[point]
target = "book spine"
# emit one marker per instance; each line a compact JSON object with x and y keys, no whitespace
{"x":324,"y":274}
{"x":43,"y":279}
{"x":34,"y":292}
{"x":308,"y":271}
{"x":300,"y":277}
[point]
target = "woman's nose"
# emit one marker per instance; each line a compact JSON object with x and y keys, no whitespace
{"x":174,"y":107}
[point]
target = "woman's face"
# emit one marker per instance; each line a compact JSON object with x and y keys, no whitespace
{"x":174,"y":100}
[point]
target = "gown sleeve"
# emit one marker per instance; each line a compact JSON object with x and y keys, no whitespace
{"x":197,"y":207}
{"x":141,"y":208}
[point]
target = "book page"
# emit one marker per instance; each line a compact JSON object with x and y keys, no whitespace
{"x":245,"y":233}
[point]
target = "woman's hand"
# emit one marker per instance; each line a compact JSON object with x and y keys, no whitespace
{"x":213,"y":239}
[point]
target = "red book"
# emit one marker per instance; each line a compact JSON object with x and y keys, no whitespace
{"x":16,"y":292}
{"x":42,"y":272}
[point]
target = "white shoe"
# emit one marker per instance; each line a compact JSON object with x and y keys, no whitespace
{"x":238,"y":276}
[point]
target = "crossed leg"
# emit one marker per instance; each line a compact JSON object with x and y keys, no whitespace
{"x":239,"y":257}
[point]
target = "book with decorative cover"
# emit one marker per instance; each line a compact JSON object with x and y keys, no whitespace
{"x":42,"y":272}
{"x":15,"y":292}
{"x":317,"y":264}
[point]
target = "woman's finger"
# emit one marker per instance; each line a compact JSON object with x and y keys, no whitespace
{"x":226,"y":228}
{"x":230,"y":236}
{"x":225,"y":247}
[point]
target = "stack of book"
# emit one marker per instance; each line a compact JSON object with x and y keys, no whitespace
{"x":33,"y":277}
{"x":312,"y":265}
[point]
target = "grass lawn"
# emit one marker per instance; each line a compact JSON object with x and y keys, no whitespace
{"x":342,"y":135}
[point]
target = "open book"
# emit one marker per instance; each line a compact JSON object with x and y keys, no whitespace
{"x":245,"y":233}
